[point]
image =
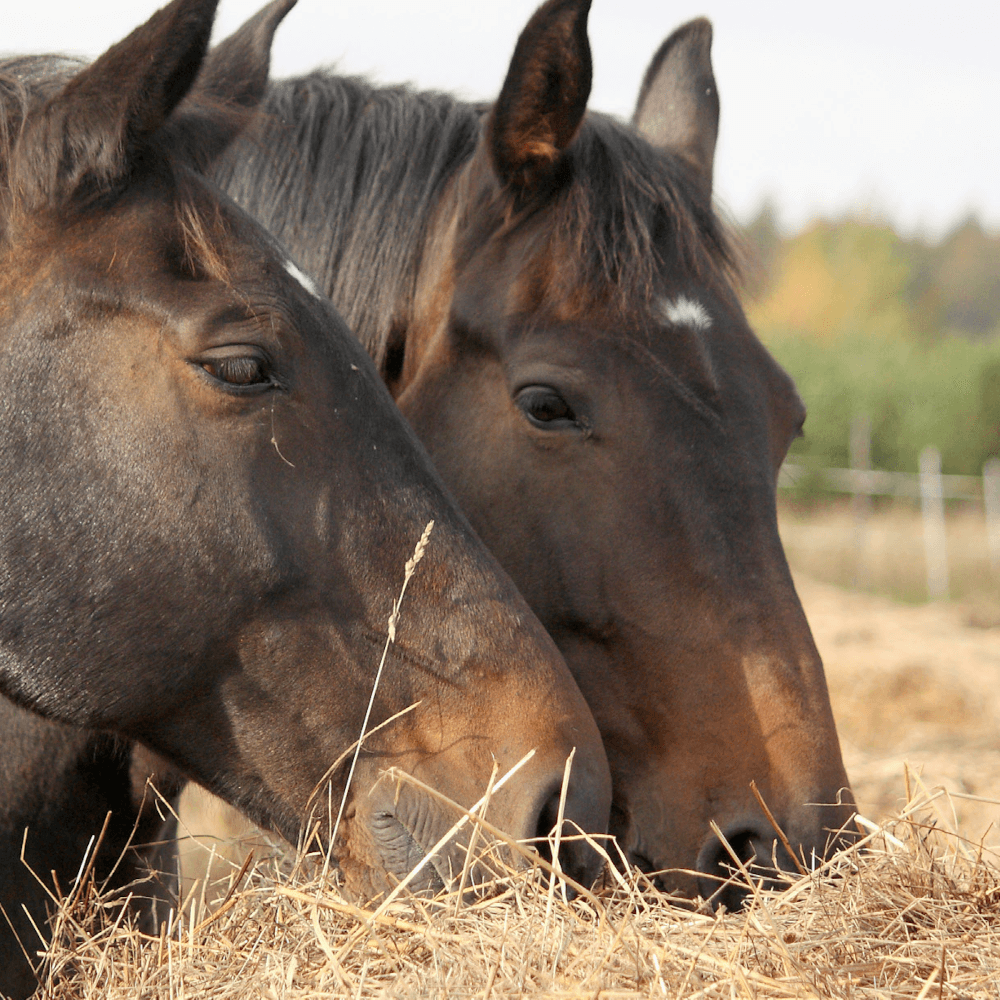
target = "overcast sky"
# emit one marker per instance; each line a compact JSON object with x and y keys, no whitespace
{"x":888,"y":107}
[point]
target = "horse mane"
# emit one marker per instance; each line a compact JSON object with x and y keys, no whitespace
{"x":349,"y":173}
{"x":27,"y":82}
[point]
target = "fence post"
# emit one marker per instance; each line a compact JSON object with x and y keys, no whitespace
{"x":932,"y":508}
{"x":860,"y":447}
{"x":991,"y":501}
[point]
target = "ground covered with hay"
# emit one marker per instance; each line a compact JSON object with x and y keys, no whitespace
{"x":912,"y":911}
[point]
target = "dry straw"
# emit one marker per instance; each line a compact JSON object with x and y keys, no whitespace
{"x":911,"y":911}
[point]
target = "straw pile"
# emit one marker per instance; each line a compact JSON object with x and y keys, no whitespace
{"x":912,"y":910}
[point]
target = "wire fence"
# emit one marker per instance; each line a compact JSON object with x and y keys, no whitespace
{"x":929,"y":486}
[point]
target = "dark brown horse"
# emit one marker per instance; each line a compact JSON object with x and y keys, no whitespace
{"x":550,"y":298}
{"x":209,"y":499}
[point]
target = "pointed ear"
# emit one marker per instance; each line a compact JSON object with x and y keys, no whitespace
{"x":90,"y":135}
{"x":678,"y":106}
{"x":233,"y":79}
{"x":544,"y":97}
{"x":236,"y":70}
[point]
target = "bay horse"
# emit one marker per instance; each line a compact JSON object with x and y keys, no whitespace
{"x":209,"y":500}
{"x":553,"y":302}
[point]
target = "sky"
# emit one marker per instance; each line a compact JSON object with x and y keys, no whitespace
{"x":886,"y":108}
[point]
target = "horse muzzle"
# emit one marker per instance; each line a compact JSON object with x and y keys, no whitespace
{"x":412,"y":829}
{"x":753,"y":848}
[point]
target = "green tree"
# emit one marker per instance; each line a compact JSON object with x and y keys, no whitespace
{"x":968,"y":277}
{"x":988,"y":414}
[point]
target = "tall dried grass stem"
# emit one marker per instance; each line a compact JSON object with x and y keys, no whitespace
{"x":410,"y":569}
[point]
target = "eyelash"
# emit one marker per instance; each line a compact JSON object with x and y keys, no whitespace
{"x":239,"y":370}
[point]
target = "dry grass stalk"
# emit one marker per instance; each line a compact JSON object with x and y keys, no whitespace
{"x":912,"y":912}
{"x":410,"y":569}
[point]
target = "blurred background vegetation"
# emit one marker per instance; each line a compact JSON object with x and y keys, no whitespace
{"x":902,"y":330}
{"x":905,"y":332}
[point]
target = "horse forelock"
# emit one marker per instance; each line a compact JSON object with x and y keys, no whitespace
{"x":629,"y":219}
{"x":203,"y":229}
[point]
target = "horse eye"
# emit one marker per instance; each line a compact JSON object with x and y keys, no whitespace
{"x":241,"y":370}
{"x":544,"y":407}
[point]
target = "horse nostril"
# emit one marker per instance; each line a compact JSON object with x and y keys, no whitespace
{"x":720,"y":880}
{"x":401,"y":853}
{"x":545,"y":825}
{"x":577,"y":859}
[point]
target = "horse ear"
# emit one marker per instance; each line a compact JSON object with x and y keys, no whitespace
{"x":678,"y":105}
{"x":544,"y":97}
{"x":91,"y":134}
{"x":236,"y":70}
{"x":233,"y":78}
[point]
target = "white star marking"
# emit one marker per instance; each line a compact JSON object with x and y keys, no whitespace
{"x":686,"y":312}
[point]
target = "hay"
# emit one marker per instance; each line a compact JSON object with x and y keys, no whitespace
{"x":913,"y":910}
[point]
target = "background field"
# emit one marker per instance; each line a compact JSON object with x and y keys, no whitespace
{"x":905,"y":332}
{"x":914,"y":683}
{"x":885,"y":554}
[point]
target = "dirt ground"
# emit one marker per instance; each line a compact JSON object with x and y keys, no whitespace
{"x":914,"y":686}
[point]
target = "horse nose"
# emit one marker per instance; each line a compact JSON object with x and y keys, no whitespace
{"x":719,"y":878}
{"x":763,"y":855}
{"x":760,"y":853}
{"x":584,"y":811}
{"x":810,"y":836}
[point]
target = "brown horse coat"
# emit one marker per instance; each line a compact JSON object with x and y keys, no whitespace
{"x":552,"y":302}
{"x":209,"y":502}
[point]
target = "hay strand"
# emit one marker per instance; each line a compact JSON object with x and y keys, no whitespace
{"x":910,"y":911}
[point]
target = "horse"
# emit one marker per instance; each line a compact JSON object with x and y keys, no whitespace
{"x":552,"y":300}
{"x":210,"y":501}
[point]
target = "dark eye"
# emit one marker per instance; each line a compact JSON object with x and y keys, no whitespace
{"x":241,"y":368}
{"x":544,"y":407}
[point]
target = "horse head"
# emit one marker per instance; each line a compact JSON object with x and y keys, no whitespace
{"x":581,"y":371}
{"x":211,"y":497}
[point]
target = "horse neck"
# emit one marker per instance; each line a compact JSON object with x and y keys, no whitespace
{"x":353,"y":187}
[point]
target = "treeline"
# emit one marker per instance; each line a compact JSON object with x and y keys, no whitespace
{"x":901,"y":330}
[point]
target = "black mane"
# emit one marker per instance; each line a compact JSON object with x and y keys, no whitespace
{"x":352,"y":172}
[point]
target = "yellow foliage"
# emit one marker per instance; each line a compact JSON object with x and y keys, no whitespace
{"x":833,"y":280}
